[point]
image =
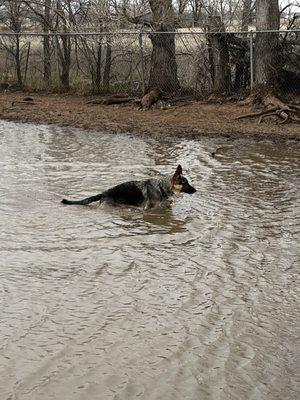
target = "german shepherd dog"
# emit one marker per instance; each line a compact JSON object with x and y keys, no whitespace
{"x":148,"y":193}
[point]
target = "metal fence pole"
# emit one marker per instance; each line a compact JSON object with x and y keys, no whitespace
{"x":142,"y":61}
{"x":251,"y":62}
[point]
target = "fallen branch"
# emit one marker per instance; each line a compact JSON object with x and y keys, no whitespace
{"x":22,"y":102}
{"x":117,"y":100}
{"x":112,"y":100}
{"x":294,"y":106}
{"x":257,"y":114}
{"x":265,"y":115}
{"x":273,"y":107}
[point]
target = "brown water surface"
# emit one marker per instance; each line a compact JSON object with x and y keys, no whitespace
{"x":196,"y":301}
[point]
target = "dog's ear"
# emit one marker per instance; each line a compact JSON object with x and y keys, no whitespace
{"x":178,"y":172}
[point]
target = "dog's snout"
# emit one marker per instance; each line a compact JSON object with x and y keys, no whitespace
{"x":188,"y":189}
{"x":192,"y":190}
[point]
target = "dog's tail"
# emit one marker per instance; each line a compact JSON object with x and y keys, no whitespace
{"x":88,"y":200}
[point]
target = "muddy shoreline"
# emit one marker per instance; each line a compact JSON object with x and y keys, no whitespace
{"x":193,"y":120}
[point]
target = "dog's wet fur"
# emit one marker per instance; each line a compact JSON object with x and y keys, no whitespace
{"x":148,"y":193}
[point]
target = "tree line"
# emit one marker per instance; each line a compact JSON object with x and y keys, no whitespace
{"x":275,"y":59}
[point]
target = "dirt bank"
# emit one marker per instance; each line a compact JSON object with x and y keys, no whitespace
{"x":195,"y":118}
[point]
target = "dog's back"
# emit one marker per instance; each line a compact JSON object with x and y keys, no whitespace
{"x":136,"y":193}
{"x":132,"y":193}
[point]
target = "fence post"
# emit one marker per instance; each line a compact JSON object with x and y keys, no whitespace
{"x":142,"y":61}
{"x":251,"y":62}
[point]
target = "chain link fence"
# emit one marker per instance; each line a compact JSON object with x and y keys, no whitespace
{"x":199,"y":63}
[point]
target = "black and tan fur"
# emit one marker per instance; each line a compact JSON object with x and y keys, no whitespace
{"x":148,"y":193}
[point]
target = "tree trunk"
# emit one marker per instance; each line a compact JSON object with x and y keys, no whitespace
{"x":163,"y":70}
{"x":246,"y":15}
{"x":266,"y":50}
{"x":107,"y":67}
{"x":197,"y":12}
{"x":210,"y":59}
{"x":14,"y":8}
{"x":18,"y":61}
{"x":268,"y":61}
{"x":46,"y":44}
{"x":64,"y":50}
{"x":239,"y":79}
{"x":65,"y":63}
{"x":219,"y":56}
{"x":98,"y":67}
{"x":47,"y":61}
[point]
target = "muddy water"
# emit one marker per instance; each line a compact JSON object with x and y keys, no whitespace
{"x":197,"y":301}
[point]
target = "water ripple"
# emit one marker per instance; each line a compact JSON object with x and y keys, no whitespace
{"x":198,"y":300}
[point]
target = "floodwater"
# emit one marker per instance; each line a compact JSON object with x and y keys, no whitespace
{"x":196,"y":301}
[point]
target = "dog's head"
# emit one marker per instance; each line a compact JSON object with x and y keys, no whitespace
{"x":180,"y":183}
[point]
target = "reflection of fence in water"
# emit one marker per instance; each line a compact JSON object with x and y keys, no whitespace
{"x":121,"y":61}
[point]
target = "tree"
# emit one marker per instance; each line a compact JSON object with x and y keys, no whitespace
{"x":196,"y":6}
{"x":46,"y":43}
{"x":266,"y":44}
{"x":268,"y":67}
{"x":219,"y":56}
{"x":55,"y":17}
{"x":246,"y":14}
{"x":43,"y":11}
{"x":163,"y":66}
{"x":163,"y":69}
{"x":14,"y":14}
